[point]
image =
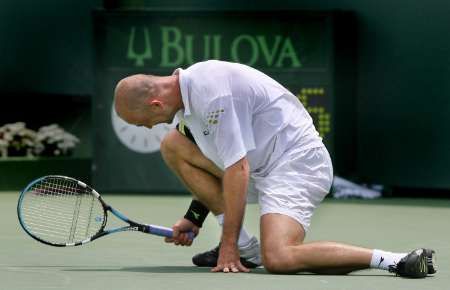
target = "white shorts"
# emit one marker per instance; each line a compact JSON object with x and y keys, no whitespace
{"x":296,"y":185}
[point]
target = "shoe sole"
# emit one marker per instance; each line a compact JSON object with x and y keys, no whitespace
{"x":421,"y":270}
{"x":431,"y":261}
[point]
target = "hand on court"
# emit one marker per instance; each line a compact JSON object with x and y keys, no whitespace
{"x":180,"y":230}
{"x":229,"y":260}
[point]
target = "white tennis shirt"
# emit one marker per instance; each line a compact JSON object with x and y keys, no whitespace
{"x":235,"y":111}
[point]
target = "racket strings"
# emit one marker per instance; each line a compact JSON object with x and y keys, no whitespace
{"x":61,"y":211}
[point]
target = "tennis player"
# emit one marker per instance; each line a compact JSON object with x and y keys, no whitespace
{"x":252,"y":136}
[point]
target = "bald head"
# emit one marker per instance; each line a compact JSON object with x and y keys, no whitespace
{"x":132,"y":92}
{"x":146,"y":99}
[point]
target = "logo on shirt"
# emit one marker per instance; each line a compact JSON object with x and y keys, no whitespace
{"x":212,"y":119}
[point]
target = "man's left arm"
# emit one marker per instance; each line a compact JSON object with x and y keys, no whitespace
{"x":228,"y":121}
{"x":235,"y":182}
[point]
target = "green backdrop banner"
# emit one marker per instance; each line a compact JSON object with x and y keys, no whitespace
{"x":296,"y":48}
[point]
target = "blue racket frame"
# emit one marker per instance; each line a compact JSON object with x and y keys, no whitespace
{"x":132,"y":225}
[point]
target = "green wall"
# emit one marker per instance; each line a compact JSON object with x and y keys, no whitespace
{"x":403,"y":65}
{"x":46,"y":65}
{"x":46,"y":46}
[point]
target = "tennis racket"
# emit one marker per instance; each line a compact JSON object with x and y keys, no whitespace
{"x":62,"y":211}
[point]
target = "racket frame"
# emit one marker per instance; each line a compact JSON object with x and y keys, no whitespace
{"x":132,"y":225}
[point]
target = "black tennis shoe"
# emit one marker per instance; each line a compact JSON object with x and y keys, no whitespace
{"x":414,"y":265}
{"x":250,"y":256}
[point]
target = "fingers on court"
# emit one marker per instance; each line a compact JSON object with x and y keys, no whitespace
{"x":225,"y":269}
{"x":242,"y":268}
{"x":233,"y":268}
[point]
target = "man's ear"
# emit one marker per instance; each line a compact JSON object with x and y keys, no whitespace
{"x":154,"y":102}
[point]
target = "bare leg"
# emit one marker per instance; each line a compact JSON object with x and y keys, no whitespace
{"x":283,"y":250}
{"x":201,"y":176}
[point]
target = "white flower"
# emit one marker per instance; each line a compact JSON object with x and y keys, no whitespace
{"x":53,"y":134}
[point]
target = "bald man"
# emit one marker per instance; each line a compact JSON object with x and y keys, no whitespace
{"x":251,"y":136}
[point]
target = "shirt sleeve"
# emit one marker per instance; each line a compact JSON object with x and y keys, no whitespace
{"x":228,"y":123}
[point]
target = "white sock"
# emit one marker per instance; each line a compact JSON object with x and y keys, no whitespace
{"x":244,"y":237}
{"x":382,"y":259}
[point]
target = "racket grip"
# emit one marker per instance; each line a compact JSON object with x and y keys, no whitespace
{"x":164,"y":231}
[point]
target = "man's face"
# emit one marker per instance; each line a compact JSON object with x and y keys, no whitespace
{"x":148,"y":116}
{"x":147,"y":121}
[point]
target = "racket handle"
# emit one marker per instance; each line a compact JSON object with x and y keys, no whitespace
{"x":164,"y":231}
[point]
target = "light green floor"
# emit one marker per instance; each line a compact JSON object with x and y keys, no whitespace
{"x":138,"y":261}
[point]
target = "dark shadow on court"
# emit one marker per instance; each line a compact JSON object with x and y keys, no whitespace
{"x":146,"y":269}
{"x":192,"y":269}
{"x":356,"y":274}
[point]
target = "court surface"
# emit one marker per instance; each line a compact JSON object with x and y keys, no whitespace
{"x":138,"y":261}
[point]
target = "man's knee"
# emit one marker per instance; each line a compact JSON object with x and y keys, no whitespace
{"x":168,"y":145}
{"x":280,"y":261}
{"x":173,"y":147}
